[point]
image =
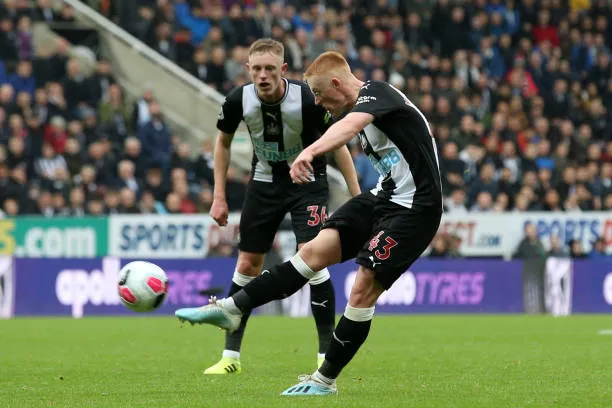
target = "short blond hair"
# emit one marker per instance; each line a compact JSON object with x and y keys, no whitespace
{"x":330,"y":63}
{"x":264,"y":45}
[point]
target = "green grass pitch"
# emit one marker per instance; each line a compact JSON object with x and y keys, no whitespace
{"x":408,"y":361}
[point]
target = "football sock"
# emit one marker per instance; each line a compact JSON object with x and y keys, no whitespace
{"x":233,"y":341}
{"x":323,"y":306}
{"x":277,"y":283}
{"x":350,"y":334}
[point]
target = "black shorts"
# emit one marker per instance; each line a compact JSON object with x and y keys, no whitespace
{"x":266,"y":205}
{"x":383,"y":236}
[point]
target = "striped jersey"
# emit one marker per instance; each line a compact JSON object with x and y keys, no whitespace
{"x":279,"y":131}
{"x":400,"y":145}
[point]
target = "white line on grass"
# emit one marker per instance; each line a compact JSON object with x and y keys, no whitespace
{"x":607,"y":332}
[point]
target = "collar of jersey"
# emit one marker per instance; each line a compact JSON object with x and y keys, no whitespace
{"x":281,"y":99}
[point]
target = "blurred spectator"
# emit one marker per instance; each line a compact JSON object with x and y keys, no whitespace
{"x":155,"y":137}
{"x":23,"y":80}
{"x":127,"y":177}
{"x":530,"y":247}
{"x":455,"y":204}
{"x":140,"y":112}
{"x":44,"y":11}
{"x":112,"y":202}
{"x":599,"y":249}
{"x":439,"y":246}
{"x":8,"y":39}
{"x":576,"y":250}
{"x":49,"y":164}
{"x":56,"y":135}
{"x":557,"y":249}
{"x":148,"y":204}
{"x":95,"y":205}
{"x":24,"y":38}
{"x":77,"y":91}
{"x":156,"y":184}
{"x":77,"y":202}
{"x":128,"y":203}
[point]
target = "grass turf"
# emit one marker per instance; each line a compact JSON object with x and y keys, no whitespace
{"x":408,"y":361}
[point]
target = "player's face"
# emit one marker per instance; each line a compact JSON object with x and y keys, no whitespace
{"x":326,"y":94}
{"x":266,"y":70}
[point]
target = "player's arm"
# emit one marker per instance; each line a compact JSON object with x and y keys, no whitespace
{"x":221,"y":163}
{"x":344,"y":160}
{"x":227,"y":123}
{"x":340,"y":133}
{"x":336,"y":136}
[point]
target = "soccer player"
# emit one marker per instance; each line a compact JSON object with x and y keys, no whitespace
{"x":282,"y":119}
{"x":385,"y":229}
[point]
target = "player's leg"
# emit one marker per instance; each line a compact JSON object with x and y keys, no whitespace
{"x":340,"y":240}
{"x":261,"y":215}
{"x":308,"y":213}
{"x":248,"y":266}
{"x":397,"y":241}
{"x":323,"y":307}
{"x":350,"y":333}
{"x":285,"y":279}
{"x":354,"y":325}
{"x":342,"y":236}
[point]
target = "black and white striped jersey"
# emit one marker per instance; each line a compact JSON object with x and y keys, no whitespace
{"x":400,"y":145}
{"x":280,"y":131}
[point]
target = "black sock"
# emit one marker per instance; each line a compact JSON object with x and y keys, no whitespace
{"x":323,"y":306}
{"x":348,"y":337}
{"x":234,"y":341}
{"x":277,"y":283}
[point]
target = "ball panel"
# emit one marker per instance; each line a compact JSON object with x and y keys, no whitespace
{"x":156,"y":284}
{"x":127,"y":295}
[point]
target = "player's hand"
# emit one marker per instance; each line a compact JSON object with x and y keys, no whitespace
{"x":301,"y":169}
{"x":219,"y":211}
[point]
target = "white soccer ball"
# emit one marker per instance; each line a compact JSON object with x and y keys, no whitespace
{"x":142,"y":286}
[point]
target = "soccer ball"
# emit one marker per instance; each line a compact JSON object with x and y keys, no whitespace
{"x":142,"y":286}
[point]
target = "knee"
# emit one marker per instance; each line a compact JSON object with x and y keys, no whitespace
{"x":322,"y":251}
{"x":308,"y":253}
{"x":248,"y":266}
{"x":313,"y":256}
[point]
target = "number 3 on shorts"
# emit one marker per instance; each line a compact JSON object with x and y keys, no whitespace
{"x":384,"y":252}
{"x":316,"y":217}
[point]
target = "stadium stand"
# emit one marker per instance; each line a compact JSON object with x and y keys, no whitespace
{"x":517,"y":92}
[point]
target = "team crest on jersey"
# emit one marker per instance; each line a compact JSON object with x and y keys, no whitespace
{"x":221,"y":115}
{"x":273,"y":129}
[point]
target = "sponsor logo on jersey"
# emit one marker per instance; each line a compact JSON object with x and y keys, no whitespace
{"x":386,"y":162}
{"x":269,"y":151}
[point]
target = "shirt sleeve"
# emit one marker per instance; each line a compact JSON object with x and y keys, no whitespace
{"x":230,"y":115}
{"x":378,"y":99}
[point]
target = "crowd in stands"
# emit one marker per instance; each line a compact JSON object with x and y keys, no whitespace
{"x":517,"y":92}
{"x":71,"y":143}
